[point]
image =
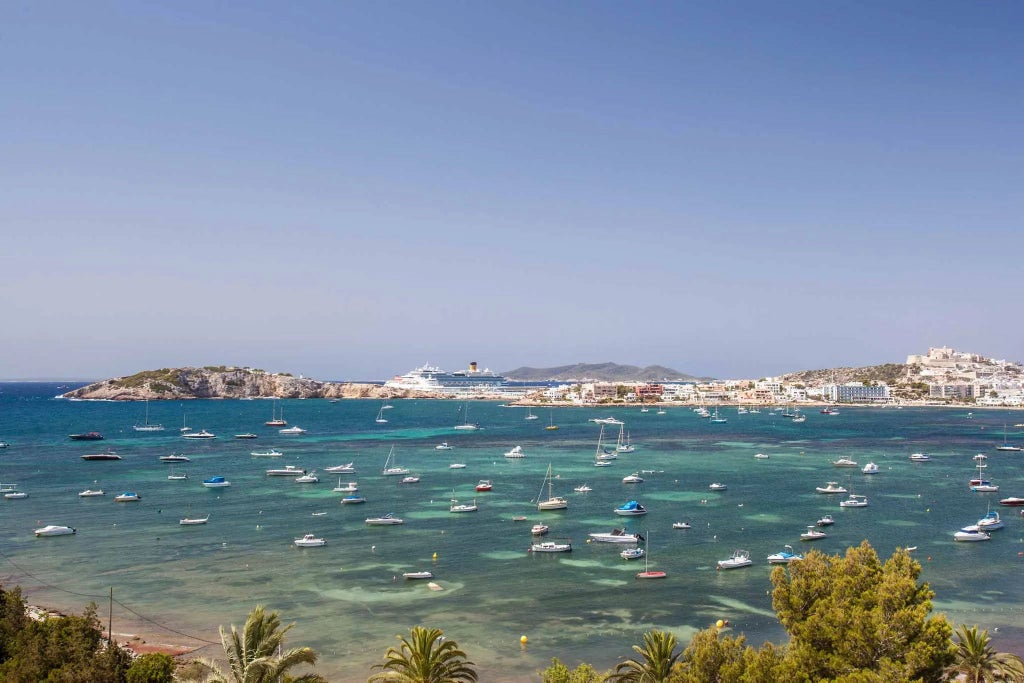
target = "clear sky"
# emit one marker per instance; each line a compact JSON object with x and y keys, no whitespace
{"x":350,"y":189}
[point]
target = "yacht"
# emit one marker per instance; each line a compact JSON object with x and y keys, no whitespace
{"x":286,"y":471}
{"x":739,"y":558}
{"x":844,"y":462}
{"x":387,"y":520}
{"x":551,"y":547}
{"x":854,"y":501}
{"x":1012,"y":501}
{"x":632,"y":553}
{"x":784,"y":556}
{"x":202,"y":434}
{"x":310,"y":541}
{"x":54,"y":530}
{"x":411,"y":479}
{"x":634,"y":478}
{"x":990,"y":522}
{"x":631,"y":509}
{"x":813,"y":534}
{"x":87,"y":436}
{"x":127,"y":497}
{"x":515,"y":452}
{"x":553,"y":502}
{"x":539,"y":529}
{"x":147,"y":426}
{"x":391,"y":468}
{"x":292,"y":430}
{"x":456,"y":506}
{"x":969,"y":536}
{"x":309,"y":478}
{"x":870,"y":468}
{"x":919,"y":457}
{"x":718,"y":486}
{"x":216,"y":483}
{"x":830,"y":487}
{"x":175,"y":457}
{"x":616,"y":536}
{"x":109,"y":455}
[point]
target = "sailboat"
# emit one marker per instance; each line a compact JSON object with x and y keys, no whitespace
{"x":466,"y":424}
{"x":623,"y":445}
{"x":148,"y":427}
{"x":553,"y":502}
{"x":184,"y":425}
{"x":380,"y":416}
{"x":275,"y":419}
{"x":530,"y":415}
{"x":599,"y":455}
{"x":647,"y":573}
{"x":390,"y":467}
{"x":189,"y":520}
{"x":551,"y":425}
{"x":1006,"y":446}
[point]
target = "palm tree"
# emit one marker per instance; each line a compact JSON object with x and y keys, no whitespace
{"x":255,"y":655}
{"x":977,"y":662}
{"x":657,"y":657}
{"x":425,"y":657}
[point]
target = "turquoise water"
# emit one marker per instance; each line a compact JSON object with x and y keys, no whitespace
{"x":581,"y":606}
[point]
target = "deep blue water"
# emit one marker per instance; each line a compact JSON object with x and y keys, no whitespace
{"x":582,"y":606}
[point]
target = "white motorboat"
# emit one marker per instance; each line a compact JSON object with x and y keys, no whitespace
{"x":291,"y":430}
{"x":341,"y":469}
{"x":286,"y":471}
{"x":193,"y":521}
{"x":90,"y":493}
{"x":718,"y":486}
{"x":605,"y":421}
{"x":216,"y":483}
{"x":870,"y":468}
{"x":830,"y":487}
{"x":203,"y":434}
{"x":456,"y":506}
{"x":515,"y":452}
{"x":583,"y":488}
{"x":350,"y":487}
{"x":603,"y":463}
{"x":353,"y":499}
{"x":443,"y":446}
{"x":15,"y":495}
{"x":309,"y":478}
{"x":632,"y":553}
{"x":616,"y":536}
{"x":551,"y":547}
{"x":391,"y":468}
{"x":411,"y":479}
{"x":552,"y":502}
{"x":54,"y":530}
{"x":854,"y":501}
{"x":247,"y":435}
{"x":127,"y":497}
{"x":175,"y":457}
{"x":681,"y":525}
{"x":631,"y":508}
{"x":176,"y":476}
{"x":784,"y":556}
{"x":739,"y":558}
{"x":310,"y":541}
{"x":844,"y":462}
{"x":634,"y":478}
{"x":539,"y":529}
{"x":417,"y":575}
{"x":269,"y":453}
{"x":919,"y":457}
{"x":457,"y":466}
{"x":970,"y":536}
{"x":813,"y":534}
{"x":760,"y":456}
{"x":826,"y":521}
{"x":386,"y":520}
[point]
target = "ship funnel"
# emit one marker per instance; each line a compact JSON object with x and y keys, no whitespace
{"x":472,"y":366}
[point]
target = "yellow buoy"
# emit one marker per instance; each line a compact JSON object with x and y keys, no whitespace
{"x":435,"y":557}
{"x":719,"y":623}
{"x":523,"y":639}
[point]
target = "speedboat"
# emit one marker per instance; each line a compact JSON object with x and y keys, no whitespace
{"x":457,"y":466}
{"x":292,"y":430}
{"x":341,"y":469}
{"x":127,"y":497}
{"x":919,"y":457}
{"x":270,"y":453}
{"x":760,"y":456}
{"x":634,"y":478}
{"x":969,"y":536}
{"x":350,"y":487}
{"x":681,"y":525}
{"x":813,"y":534}
{"x":109,"y":455}
{"x":844,"y":462}
{"x":484,"y":485}
{"x":980,"y":457}
{"x":826,"y":521}
{"x":443,"y":446}
{"x":417,"y":575}
{"x":310,"y":541}
{"x":310,"y":478}
{"x":352,"y":500}
{"x":173,"y":476}
{"x":582,"y":488}
{"x":247,"y":435}
{"x":203,"y":434}
{"x":632,"y":553}
{"x":830,"y":487}
{"x":456,"y":506}
{"x":54,"y":530}
{"x":411,"y":479}
{"x":386,"y":520}
{"x":286,"y":471}
{"x":193,"y":521}
{"x":870,"y":468}
{"x":1012,"y":501}
{"x":516,"y":452}
{"x":87,"y":436}
{"x":216,"y":483}
{"x":15,"y":495}
{"x":603,"y":463}
{"x":739,"y":558}
{"x":631,"y":509}
{"x":551,"y":547}
{"x":90,"y":493}
{"x":605,"y":421}
{"x":784,"y":556}
{"x":539,"y":529}
{"x":616,"y":536}
{"x":854,"y":501}
{"x":175,"y":457}
{"x":718,"y":487}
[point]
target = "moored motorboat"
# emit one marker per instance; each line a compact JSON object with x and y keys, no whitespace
{"x":632,"y":553}
{"x":109,"y":455}
{"x":216,"y":483}
{"x":919,"y":457}
{"x":844,"y":462}
{"x":539,"y":529}
{"x":515,"y":452}
{"x":631,"y":508}
{"x":456,"y":506}
{"x":634,"y":478}
{"x":86,"y":436}
{"x":870,"y":468}
{"x":615,"y":536}
{"x":681,"y":525}
{"x":310,"y":541}
{"x":1012,"y":501}
{"x":411,"y":479}
{"x":813,"y":534}
{"x":203,"y":434}
{"x":127,"y":497}
{"x":350,"y":487}
{"x":90,"y":493}
{"x":484,"y":485}
{"x":970,"y":536}
{"x":718,"y":486}
{"x":352,"y":500}
{"x":457,"y":466}
{"x":417,"y":575}
{"x":286,"y":471}
{"x":269,"y":453}
{"x":54,"y":530}
{"x":308,"y":478}
{"x":193,"y":521}
{"x":761,"y":456}
{"x":826,"y":521}
{"x":175,"y":457}
{"x":583,"y":488}
{"x":854,"y":501}
{"x":551,"y":547}
{"x":738,"y":559}
{"x":385,"y":520}
{"x":291,"y":430}
{"x":348,"y":468}
{"x":830,"y":487}
{"x":247,"y":435}
{"x":784,"y":556}
{"x":443,"y":446}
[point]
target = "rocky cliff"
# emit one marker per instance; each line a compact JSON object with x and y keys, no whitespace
{"x":227,"y":382}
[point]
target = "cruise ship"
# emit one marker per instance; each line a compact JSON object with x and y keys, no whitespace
{"x":432,"y":378}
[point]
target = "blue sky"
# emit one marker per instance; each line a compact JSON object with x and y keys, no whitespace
{"x":348,"y":190}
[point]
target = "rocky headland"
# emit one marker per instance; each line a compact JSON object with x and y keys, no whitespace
{"x":228,"y":382}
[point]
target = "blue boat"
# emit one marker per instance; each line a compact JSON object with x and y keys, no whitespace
{"x":216,"y":483}
{"x":631,"y":509}
{"x":785,"y":556}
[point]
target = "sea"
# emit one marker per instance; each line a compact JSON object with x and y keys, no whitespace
{"x":177,"y":584}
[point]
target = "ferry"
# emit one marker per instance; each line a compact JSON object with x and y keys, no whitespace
{"x":432,"y":378}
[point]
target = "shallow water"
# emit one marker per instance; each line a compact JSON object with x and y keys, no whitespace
{"x":348,"y":598}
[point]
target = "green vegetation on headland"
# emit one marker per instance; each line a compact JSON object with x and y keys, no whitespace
{"x":850,"y":618}
{"x":601,"y":372}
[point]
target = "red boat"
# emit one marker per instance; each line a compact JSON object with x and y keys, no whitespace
{"x":484,"y":485}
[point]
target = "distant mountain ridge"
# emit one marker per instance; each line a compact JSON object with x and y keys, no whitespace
{"x":602,"y":372}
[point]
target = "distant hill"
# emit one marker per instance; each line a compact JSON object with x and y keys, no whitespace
{"x":602,"y":372}
{"x":890,"y":373}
